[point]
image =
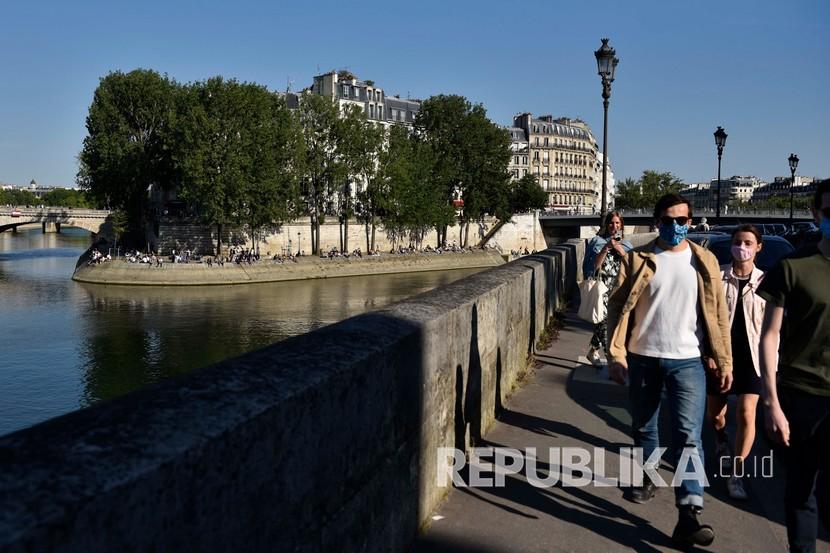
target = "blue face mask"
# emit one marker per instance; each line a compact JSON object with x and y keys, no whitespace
{"x":825,"y":227}
{"x":673,"y":234}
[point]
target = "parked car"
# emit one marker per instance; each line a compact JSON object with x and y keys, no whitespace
{"x":16,"y":213}
{"x":775,"y":247}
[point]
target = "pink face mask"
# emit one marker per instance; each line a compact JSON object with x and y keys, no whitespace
{"x":742,"y":253}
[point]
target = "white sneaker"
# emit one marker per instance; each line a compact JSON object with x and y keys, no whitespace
{"x":736,"y":488}
{"x":594,"y":358}
{"x":723,"y":455}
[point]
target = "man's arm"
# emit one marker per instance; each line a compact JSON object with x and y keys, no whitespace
{"x":617,"y":365}
{"x":778,"y":428}
{"x":724,"y":365}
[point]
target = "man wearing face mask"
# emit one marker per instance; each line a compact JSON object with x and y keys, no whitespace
{"x":797,"y":406}
{"x":667,"y":319}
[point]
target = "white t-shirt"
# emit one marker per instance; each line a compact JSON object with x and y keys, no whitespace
{"x":667,"y":314}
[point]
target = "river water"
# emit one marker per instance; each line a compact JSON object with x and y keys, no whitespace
{"x":66,"y":345}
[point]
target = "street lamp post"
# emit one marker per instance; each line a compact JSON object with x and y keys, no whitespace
{"x":298,"y":243}
{"x":793,"y":159}
{"x":720,"y":142}
{"x":606,"y":65}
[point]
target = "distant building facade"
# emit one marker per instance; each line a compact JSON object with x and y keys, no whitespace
{"x":347,"y":90}
{"x":563,"y":156}
{"x":519,"y":164}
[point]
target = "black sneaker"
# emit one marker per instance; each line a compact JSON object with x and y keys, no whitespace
{"x":644,"y":493}
{"x":689,"y":531}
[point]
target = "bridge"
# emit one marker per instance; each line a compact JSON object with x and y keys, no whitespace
{"x":52,"y":219}
{"x":333,"y":441}
{"x":560,"y":226}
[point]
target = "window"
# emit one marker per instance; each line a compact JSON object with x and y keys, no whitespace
{"x":536,"y":170}
{"x":345,"y":91}
{"x":380,"y":112}
{"x":536,"y":140}
{"x":536,"y":156}
{"x":517,"y":160}
{"x":547,"y":170}
{"x":546,"y":141}
{"x":546,"y":155}
{"x":524,"y":160}
{"x":372,"y":111}
{"x":547,"y":184}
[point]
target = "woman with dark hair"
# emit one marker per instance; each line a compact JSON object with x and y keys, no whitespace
{"x":603,"y":256}
{"x":741,"y":279}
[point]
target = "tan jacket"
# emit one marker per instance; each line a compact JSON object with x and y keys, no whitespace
{"x":637,"y":270}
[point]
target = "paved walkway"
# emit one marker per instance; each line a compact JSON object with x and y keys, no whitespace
{"x":569,"y":403}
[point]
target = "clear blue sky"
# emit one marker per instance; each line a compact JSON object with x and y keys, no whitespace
{"x":759,"y":68}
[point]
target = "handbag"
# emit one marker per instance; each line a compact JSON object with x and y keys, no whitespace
{"x":591,"y":300}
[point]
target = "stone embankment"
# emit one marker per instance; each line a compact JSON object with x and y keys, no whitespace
{"x":328,"y":441}
{"x":195,"y":274}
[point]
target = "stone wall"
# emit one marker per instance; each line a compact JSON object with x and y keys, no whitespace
{"x":196,"y":274}
{"x":521,"y":231}
{"x":323,"y":442}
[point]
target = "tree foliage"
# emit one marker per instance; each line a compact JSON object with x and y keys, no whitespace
{"x":470,"y":156}
{"x":238,"y":151}
{"x":527,"y":195}
{"x":644,"y":192}
{"x":127,"y":147}
{"x":238,"y":156}
{"x":66,"y":197}
{"x":17,"y":196}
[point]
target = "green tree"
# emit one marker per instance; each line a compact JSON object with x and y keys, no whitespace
{"x":644,"y":192}
{"x":370,"y":195}
{"x":238,"y":154}
{"x":358,"y":145}
{"x":628,"y":195}
{"x":17,"y":196}
{"x":527,"y":195}
{"x":127,"y":146}
{"x":654,"y":184}
{"x":66,"y":197}
{"x":119,"y":223}
{"x":470,"y":155}
{"x":323,"y":168}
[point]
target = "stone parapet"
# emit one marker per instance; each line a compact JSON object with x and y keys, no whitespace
{"x":323,"y":442}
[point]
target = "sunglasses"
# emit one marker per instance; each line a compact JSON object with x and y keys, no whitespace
{"x":667,"y":221}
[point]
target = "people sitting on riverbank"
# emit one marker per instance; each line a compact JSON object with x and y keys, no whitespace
{"x":97,"y":257}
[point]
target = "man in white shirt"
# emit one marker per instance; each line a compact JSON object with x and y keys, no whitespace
{"x":667,"y":318}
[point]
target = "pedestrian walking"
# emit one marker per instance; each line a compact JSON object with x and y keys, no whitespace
{"x":797,"y":406}
{"x":740,"y":280}
{"x":666,"y":315}
{"x":603,"y":257}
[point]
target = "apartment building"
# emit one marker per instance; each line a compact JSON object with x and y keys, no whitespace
{"x":348,"y":90}
{"x":563,"y":155}
{"x":519,"y":164}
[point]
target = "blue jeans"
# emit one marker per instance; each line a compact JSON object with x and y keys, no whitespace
{"x":685,"y":383}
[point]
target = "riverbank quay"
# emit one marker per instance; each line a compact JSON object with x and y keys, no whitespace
{"x":322,"y":442}
{"x":567,"y":403}
{"x":119,"y":272}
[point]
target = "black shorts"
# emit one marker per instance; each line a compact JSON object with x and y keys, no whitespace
{"x":744,"y":381}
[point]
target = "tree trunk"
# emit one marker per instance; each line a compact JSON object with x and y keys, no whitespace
{"x":311,"y":234}
{"x":346,"y":229}
{"x":466,"y":233}
{"x":317,"y":237}
{"x":374,"y":228}
{"x":368,"y":248}
{"x":218,"y":239}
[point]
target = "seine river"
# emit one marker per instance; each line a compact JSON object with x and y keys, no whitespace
{"x":66,"y":345}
